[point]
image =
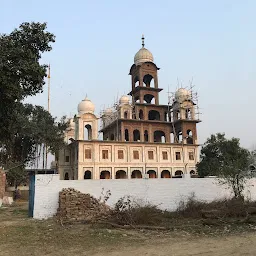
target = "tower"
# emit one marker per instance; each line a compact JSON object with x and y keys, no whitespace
{"x":86,"y":122}
{"x":183,"y":117}
{"x":149,"y":120}
{"x":144,"y":77}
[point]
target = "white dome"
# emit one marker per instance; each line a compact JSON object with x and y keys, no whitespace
{"x":108,"y":112}
{"x":124,"y":99}
{"x":182,"y":95}
{"x":85,"y":106}
{"x":143,"y":55}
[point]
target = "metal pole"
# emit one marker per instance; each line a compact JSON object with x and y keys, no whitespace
{"x":48,"y":108}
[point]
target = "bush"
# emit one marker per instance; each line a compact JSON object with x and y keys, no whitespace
{"x":231,"y":208}
{"x":129,"y":211}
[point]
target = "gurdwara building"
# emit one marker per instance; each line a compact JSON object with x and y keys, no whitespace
{"x":141,"y":138}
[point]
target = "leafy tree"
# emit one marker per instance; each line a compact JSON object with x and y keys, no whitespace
{"x":17,"y":176}
{"x":25,"y":128}
{"x":226,"y":159}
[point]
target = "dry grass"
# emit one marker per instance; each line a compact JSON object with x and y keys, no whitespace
{"x":226,"y":208}
{"x":20,"y":235}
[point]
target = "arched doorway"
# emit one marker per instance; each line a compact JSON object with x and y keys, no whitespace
{"x":105,"y":175}
{"x":120,"y":174}
{"x":189,"y":137}
{"x":159,"y":136}
{"x":147,"y":80}
{"x":136,"y":135}
{"x":126,"y":135}
{"x":178,"y":174}
{"x":152,"y":174}
{"x":188,"y":114}
{"x":153,"y":115}
{"x":141,"y":115}
{"x":87,"y":175}
{"x":148,"y":98}
{"x":66,"y":177}
{"x":136,"y":174}
{"x":146,"y":136}
{"x":87,"y":132}
{"x":192,"y":173}
{"x":165,"y":174}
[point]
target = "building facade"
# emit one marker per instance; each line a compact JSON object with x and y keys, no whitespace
{"x":141,"y":137}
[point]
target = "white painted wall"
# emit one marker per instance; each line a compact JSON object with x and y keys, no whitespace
{"x":166,"y":193}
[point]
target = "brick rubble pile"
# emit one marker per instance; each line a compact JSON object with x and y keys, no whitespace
{"x":76,"y":206}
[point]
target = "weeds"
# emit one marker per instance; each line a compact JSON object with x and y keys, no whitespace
{"x":225,"y":208}
{"x":129,"y":211}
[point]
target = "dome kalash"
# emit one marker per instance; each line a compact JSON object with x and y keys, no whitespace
{"x":182,"y":95}
{"x":85,"y":106}
{"x":143,"y":55}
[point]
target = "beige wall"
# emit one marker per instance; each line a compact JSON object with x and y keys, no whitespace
{"x":97,"y":164}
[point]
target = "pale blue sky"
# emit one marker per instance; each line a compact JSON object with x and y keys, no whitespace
{"x":211,"y":41}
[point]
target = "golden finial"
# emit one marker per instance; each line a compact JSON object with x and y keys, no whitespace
{"x":143,"y":38}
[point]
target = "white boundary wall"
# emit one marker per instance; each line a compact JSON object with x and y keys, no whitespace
{"x":166,"y":193}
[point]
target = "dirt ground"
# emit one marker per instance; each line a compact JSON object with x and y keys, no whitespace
{"x":20,"y":235}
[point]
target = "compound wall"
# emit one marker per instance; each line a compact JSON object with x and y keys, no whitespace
{"x":166,"y":193}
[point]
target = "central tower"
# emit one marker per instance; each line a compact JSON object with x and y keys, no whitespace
{"x":144,"y":77}
{"x":142,"y":120}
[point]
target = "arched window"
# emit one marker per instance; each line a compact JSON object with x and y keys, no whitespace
{"x":125,"y":115}
{"x":153,"y":115}
{"x":87,"y":132}
{"x":136,"y":174}
{"x":179,"y":173}
{"x":141,"y":116}
{"x":159,"y":136}
{"x":105,"y":175}
{"x":146,"y":136}
{"x":120,"y":174}
{"x":87,"y":175}
{"x":189,"y":137}
{"x":66,"y":177}
{"x":147,"y":80}
{"x":165,"y":174}
{"x":148,"y":98}
{"x":192,"y":173}
{"x":136,"y":135}
{"x":126,"y":135}
{"x":188,"y":114}
{"x":152,"y":174}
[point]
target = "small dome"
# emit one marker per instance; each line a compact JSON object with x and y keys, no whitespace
{"x":182,"y":95}
{"x":143,"y":55}
{"x":108,"y":112}
{"x":85,"y":106}
{"x":124,"y":100}
{"x":71,"y":123}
